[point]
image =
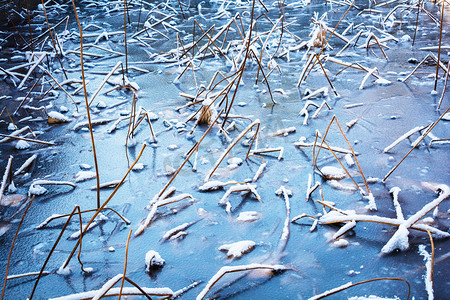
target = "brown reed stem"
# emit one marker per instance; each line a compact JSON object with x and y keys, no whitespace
{"x":415,"y":145}
{"x":332,"y":33}
{"x":105,"y":203}
{"x":87,"y":106}
{"x":53,"y":40}
{"x":125,"y":8}
{"x":241,"y":71}
{"x":432,"y":253}
{"x":29,"y":26}
{"x":362,"y":282}
{"x":12,"y":247}
{"x":440,"y":42}
{"x":53,"y":249}
{"x":417,"y":22}
{"x":27,"y":139}
{"x":86,"y":211}
{"x":189,"y":155}
{"x":125,"y":264}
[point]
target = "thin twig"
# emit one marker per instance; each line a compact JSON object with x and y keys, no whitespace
{"x":12,"y":247}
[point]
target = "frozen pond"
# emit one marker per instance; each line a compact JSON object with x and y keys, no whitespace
{"x":168,"y":79}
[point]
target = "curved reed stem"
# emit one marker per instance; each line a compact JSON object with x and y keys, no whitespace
{"x":349,"y":285}
{"x":87,"y":105}
{"x":12,"y":247}
{"x":103,"y":205}
{"x":125,"y":264}
{"x":52,"y":250}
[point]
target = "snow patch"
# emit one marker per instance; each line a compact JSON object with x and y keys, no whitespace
{"x":238,"y":249}
{"x":84,"y":175}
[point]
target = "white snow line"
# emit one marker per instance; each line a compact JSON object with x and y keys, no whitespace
{"x":155,"y":203}
{"x":13,"y":134}
{"x":398,"y":241}
{"x":115,"y":292}
{"x":93,"y":122}
{"x":107,"y":286}
{"x":27,"y":274}
{"x":316,"y":113}
{"x":235,"y":141}
{"x":28,"y":162}
{"x":109,"y":184}
{"x":404,"y":136}
{"x":5,"y":177}
{"x":48,"y":220}
{"x":262,"y":151}
{"x":31,"y":70}
{"x":428,"y":207}
{"x":259,"y":172}
{"x":304,"y":111}
{"x":240,"y":188}
{"x":302,"y":143}
{"x":230,"y":269}
{"x":344,"y":229}
{"x":287,"y":221}
{"x":332,"y":291}
{"x":398,"y":209}
{"x":52,"y":182}
{"x":170,"y":233}
{"x":370,"y":72}
{"x":322,"y":90}
{"x":428,"y":278}
{"x":332,"y":218}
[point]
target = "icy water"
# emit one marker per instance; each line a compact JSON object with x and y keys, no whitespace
{"x":314,"y":262}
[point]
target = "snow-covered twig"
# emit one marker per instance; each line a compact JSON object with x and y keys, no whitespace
{"x":302,"y":143}
{"x":240,"y":188}
{"x":161,"y":292}
{"x":154,"y":207}
{"x":28,"y":162}
{"x":37,"y":189}
{"x":429,"y":273}
{"x":287,"y":221}
{"x":398,"y":209}
{"x":230,"y":269}
{"x":235,"y":141}
{"x":262,"y":151}
{"x":5,"y":177}
{"x":404,"y":136}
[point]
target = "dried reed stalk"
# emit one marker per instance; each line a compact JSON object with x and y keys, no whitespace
{"x":52,"y":218}
{"x":350,"y":284}
{"x":231,"y":269}
{"x":351,"y":148}
{"x":53,"y":40}
{"x":242,"y":68}
{"x":415,"y":144}
{"x":27,"y":139}
{"x":125,"y":11}
{"x":445,"y":85}
{"x":188,"y":156}
{"x":103,"y":206}
{"x":5,"y":177}
{"x":235,"y":141}
{"x":91,"y":132}
{"x":440,"y":42}
{"x":76,"y":208}
{"x":12,"y":247}
{"x":125,"y":264}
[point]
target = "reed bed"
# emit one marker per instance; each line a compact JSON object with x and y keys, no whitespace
{"x":239,"y":92}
